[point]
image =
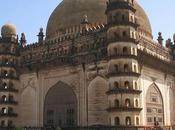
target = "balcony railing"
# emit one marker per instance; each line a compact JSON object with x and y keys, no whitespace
{"x":2,"y":76}
{"x":124,"y":109}
{"x":9,"y":102}
{"x":117,"y":56}
{"x":115,"y":74}
{"x":124,"y":39}
{"x":9,"y":89}
{"x":8,"y":114}
{"x":124,"y":23}
{"x":7,"y":65}
{"x":121,"y":90}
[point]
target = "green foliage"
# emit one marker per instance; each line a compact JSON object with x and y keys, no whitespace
{"x":58,"y":128}
{"x":19,"y":128}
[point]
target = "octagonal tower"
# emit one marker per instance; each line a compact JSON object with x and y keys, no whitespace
{"x":8,"y":76}
{"x":123,"y":68}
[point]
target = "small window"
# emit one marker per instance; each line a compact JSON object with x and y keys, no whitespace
{"x":132,"y":19}
{"x":127,"y":102}
{"x":116,"y":103}
{"x":123,"y":17}
{"x":116,"y":35}
{"x":5,"y":73}
{"x":116,"y":68}
{"x":6,"y":61}
{"x":11,"y":85}
{"x":154,"y":99}
{"x":137,"y":120}
{"x":11,"y":73}
{"x":11,"y":98}
{"x":133,"y":51}
{"x":117,"y":121}
{"x":127,"y":85}
{"x":149,"y":119}
{"x":135,"y":68}
{"x":10,"y":110}
{"x":10,"y":123}
{"x":4,"y":98}
{"x":124,"y":34}
{"x":149,"y":110}
{"x":4,"y":111}
{"x":126,"y":68}
{"x":116,"y":85}
{"x":116,"y":17}
{"x":125,"y":51}
{"x":136,"y":103}
{"x":128,"y":120}
{"x":5,"y":85}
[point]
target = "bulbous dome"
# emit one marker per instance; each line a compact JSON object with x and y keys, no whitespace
{"x":70,"y":13}
{"x":8,"y":30}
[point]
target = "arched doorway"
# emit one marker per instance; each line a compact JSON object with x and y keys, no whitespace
{"x":60,"y":106}
{"x":154,"y":106}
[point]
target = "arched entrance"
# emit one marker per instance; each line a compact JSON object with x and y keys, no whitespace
{"x":154,"y":106}
{"x":60,"y":106}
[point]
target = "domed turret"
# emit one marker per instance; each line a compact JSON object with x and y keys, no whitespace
{"x":8,"y":30}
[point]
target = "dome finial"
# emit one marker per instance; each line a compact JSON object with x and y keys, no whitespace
{"x":169,"y":43}
{"x":23,"y":40}
{"x":85,"y":19}
{"x":160,"y":38}
{"x":41,"y":36}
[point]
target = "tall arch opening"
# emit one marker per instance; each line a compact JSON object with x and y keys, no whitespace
{"x":97,"y":102}
{"x":154,"y":106}
{"x":60,"y":106}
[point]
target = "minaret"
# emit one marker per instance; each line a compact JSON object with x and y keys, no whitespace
{"x":123,"y":68}
{"x":23,"y":40}
{"x":40,"y":36}
{"x":8,"y":76}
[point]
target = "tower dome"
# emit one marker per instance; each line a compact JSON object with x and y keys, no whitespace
{"x":8,"y":30}
{"x":70,"y":13}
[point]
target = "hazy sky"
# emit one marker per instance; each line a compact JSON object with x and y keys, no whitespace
{"x":30,"y":15}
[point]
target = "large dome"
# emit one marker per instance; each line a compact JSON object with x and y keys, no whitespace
{"x":70,"y":13}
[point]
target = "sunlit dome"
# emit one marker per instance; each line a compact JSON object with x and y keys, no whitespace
{"x":8,"y":30}
{"x":70,"y":12}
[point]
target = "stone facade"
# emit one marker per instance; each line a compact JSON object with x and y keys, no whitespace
{"x":110,"y":73}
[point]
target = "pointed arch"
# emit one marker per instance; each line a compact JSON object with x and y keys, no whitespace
{"x":29,"y":104}
{"x":97,"y":101}
{"x":60,"y":106}
{"x":154,"y":106}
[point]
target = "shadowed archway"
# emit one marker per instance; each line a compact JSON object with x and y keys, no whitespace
{"x":60,"y":106}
